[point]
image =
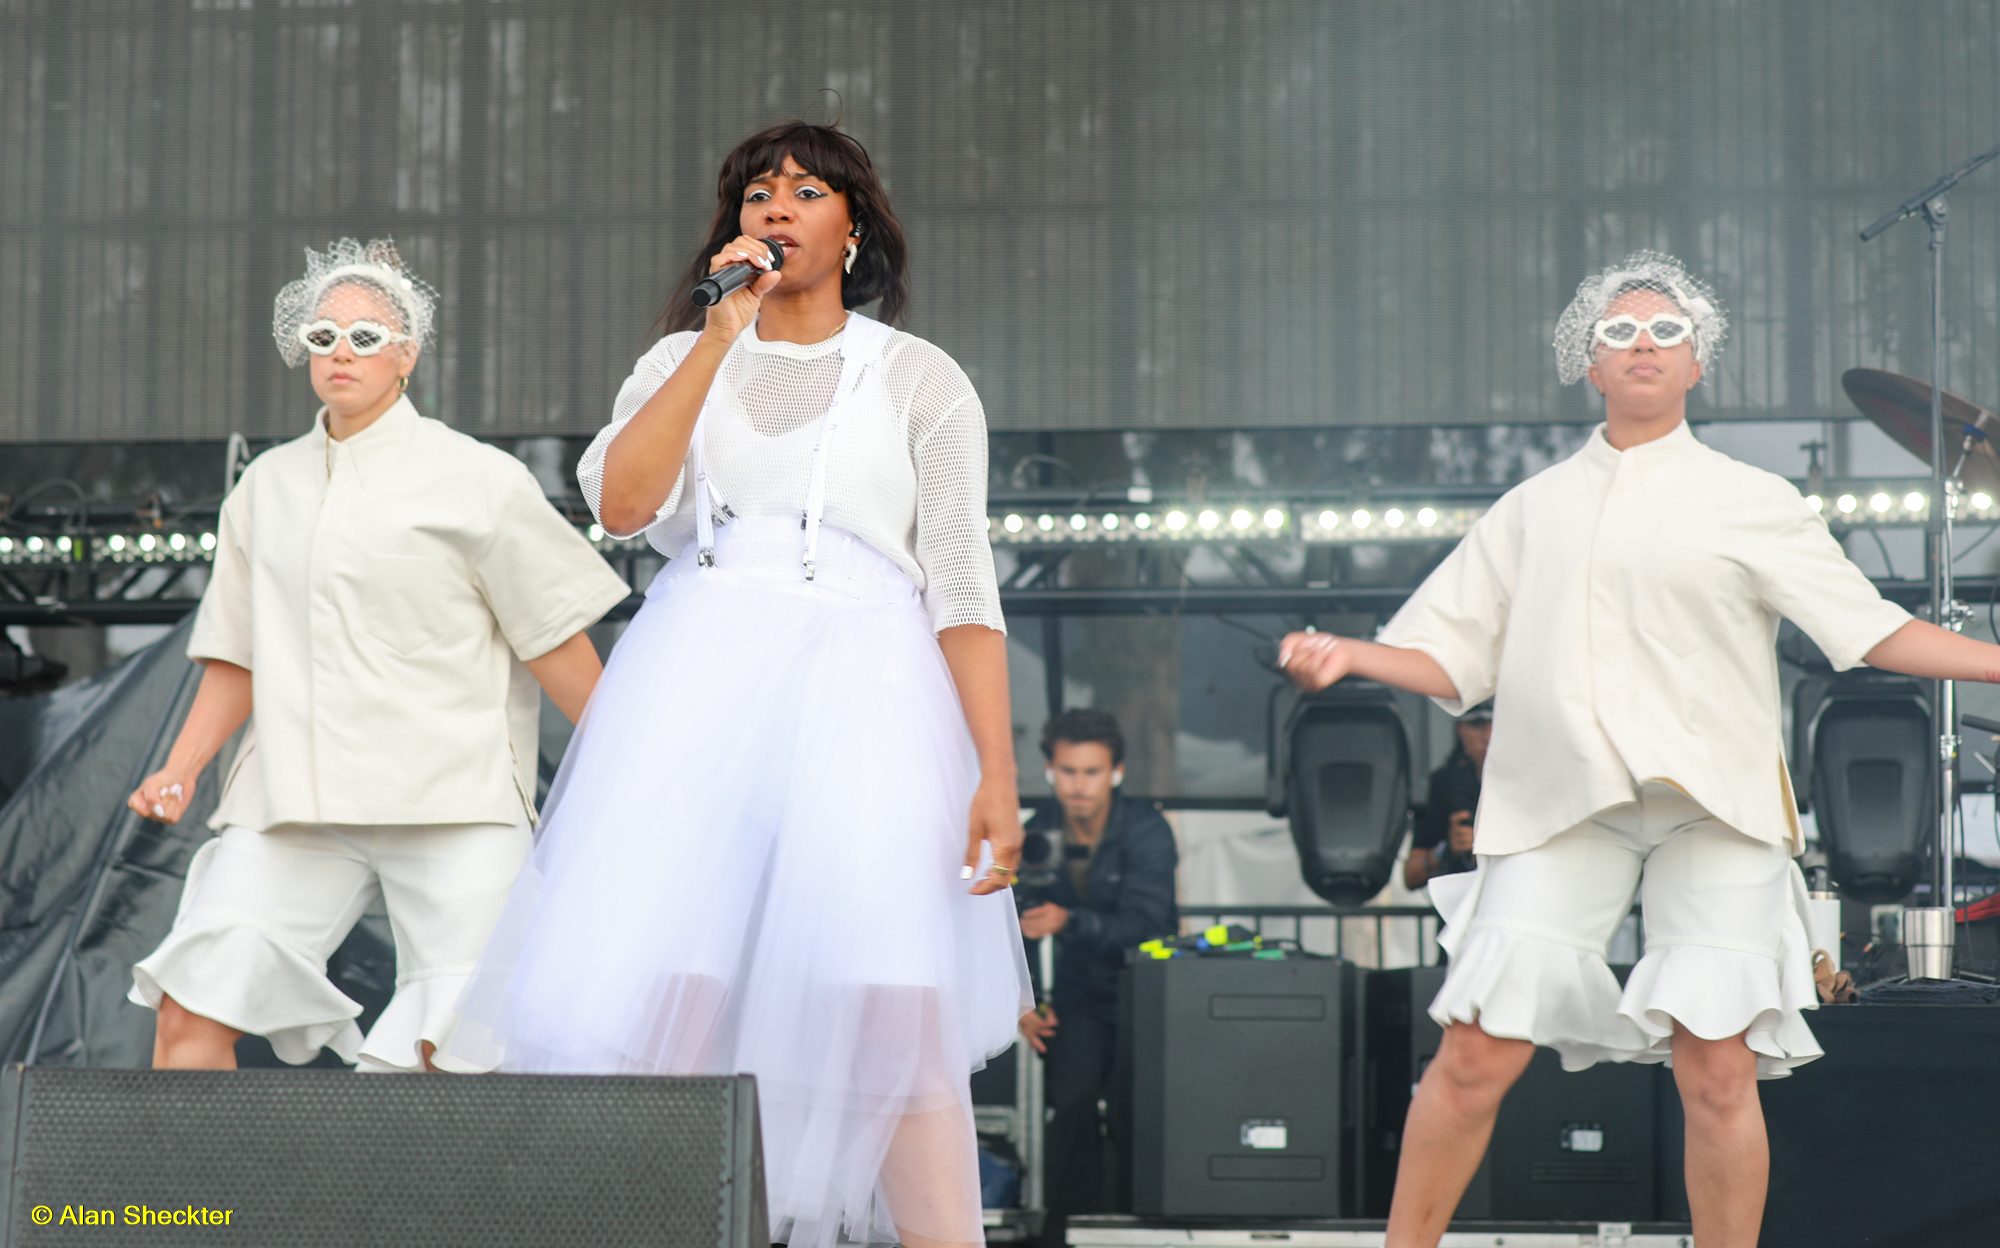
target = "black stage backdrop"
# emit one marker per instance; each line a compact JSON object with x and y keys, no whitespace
{"x":1125,"y":213}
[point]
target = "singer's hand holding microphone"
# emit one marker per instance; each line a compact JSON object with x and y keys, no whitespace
{"x":738,"y":277}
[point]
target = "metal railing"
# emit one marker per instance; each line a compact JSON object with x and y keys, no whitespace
{"x":1377,"y":937}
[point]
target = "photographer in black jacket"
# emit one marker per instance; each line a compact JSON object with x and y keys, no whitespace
{"x":1101,"y":883}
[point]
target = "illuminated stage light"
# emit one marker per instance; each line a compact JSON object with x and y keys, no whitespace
{"x":1013,"y":524}
{"x":1847,"y":503}
{"x":147,"y":541}
{"x":178,"y":541}
{"x":6,"y":545}
{"x":596,"y":532}
{"x":1815,"y":502}
{"x":1208,"y":520}
{"x":1079,"y":522}
{"x":34,"y":545}
{"x":1329,"y":519}
{"x":1393,"y":518}
{"x":208,"y":541}
{"x":115,"y":542}
{"x":1111,"y":521}
{"x":1361,"y":519}
{"x":1045,"y":522}
{"x":1142,"y":520}
{"x":1427,"y":517}
{"x":1274,"y":519}
{"x":1879,"y":503}
{"x":62,"y":544}
{"x":1982,"y":500}
{"x":1177,"y":520}
{"x":1913,"y":501}
{"x":1241,"y":518}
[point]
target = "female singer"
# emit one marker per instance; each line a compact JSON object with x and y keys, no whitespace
{"x":753,"y":856}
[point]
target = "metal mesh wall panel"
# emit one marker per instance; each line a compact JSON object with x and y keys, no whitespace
{"x":1124,"y":213}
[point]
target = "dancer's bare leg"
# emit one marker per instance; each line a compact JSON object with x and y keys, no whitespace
{"x":931,"y":1179}
{"x":183,"y":1040}
{"x":1450,"y":1121}
{"x":1728,"y":1155}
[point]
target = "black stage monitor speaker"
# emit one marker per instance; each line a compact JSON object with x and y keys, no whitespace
{"x":319,"y":1159}
{"x":1582,"y":1147}
{"x":1240,"y":1070}
{"x":1873,"y":757}
{"x":1343,"y":767}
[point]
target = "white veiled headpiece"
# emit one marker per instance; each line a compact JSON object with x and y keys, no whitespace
{"x":375,"y":265}
{"x":1576,"y":346}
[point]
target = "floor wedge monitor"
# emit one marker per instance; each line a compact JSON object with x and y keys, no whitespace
{"x":329,"y":1159}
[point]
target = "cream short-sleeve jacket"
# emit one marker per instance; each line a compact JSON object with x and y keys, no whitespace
{"x":1622,"y":609}
{"x":383,"y":591}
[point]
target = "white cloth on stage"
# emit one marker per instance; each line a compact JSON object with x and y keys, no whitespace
{"x":907,"y":473}
{"x":263,"y":910}
{"x":750,"y":862}
{"x":1621,"y":608}
{"x":1726,"y":948}
{"x":384,"y":590}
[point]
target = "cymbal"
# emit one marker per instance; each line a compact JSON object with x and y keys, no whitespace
{"x":1901,"y":407}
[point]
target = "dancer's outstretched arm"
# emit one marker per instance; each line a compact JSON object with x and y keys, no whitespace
{"x":221,"y":704}
{"x":1316,"y":660}
{"x":977,"y":656}
{"x":1920,"y":648}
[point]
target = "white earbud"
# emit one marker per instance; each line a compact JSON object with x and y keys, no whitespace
{"x":1117,"y":776}
{"x":1049,"y":774}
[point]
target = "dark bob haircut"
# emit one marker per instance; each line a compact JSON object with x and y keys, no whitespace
{"x":881,"y":266}
{"x":1078,"y":726}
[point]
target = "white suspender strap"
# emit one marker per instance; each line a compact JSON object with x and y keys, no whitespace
{"x":710,"y":508}
{"x":704,"y":520}
{"x":859,"y":349}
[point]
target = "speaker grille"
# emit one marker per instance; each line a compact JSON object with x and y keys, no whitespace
{"x":1585,"y":1172}
{"x":1280,"y":1169}
{"x":308,"y":1159}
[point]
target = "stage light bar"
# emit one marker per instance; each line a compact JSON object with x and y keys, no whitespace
{"x":1137,"y":518}
{"x":1195,"y":523}
{"x":1339,"y":524}
{"x":120,"y":548}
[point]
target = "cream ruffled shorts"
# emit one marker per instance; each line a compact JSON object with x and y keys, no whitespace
{"x":263,"y":911}
{"x":1726,"y":950}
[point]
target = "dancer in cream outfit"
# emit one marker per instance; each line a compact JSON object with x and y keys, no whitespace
{"x":1623,"y":605}
{"x":386,"y":595}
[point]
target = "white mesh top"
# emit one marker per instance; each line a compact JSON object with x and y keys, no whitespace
{"x":906,"y":472}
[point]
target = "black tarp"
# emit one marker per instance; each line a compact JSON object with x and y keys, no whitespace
{"x":87,"y":888}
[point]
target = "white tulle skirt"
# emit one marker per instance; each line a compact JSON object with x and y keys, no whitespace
{"x":1726,"y":947}
{"x":750,"y":862}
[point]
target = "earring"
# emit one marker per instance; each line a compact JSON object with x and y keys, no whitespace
{"x":403,"y":383}
{"x":852,"y":249}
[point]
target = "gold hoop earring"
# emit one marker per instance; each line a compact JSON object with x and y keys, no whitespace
{"x":853,"y":249}
{"x":403,"y":383}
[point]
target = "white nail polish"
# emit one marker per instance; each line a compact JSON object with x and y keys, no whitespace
{"x":159,"y":811}
{"x":965,"y":873}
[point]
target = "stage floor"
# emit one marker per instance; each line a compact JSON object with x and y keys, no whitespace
{"x":1120,"y":1231}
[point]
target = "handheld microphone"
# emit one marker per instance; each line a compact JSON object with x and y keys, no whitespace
{"x":710,"y":290}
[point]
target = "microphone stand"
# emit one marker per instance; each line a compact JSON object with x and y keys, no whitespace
{"x":1930,"y":932}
